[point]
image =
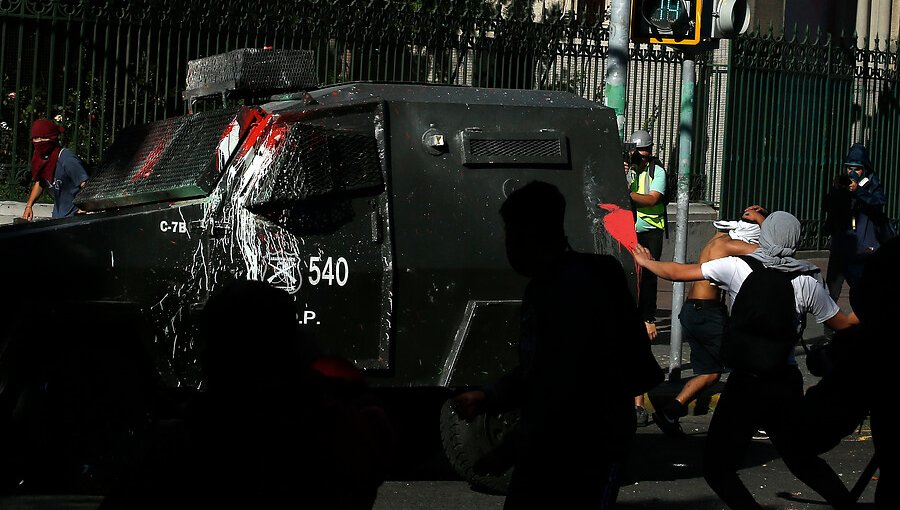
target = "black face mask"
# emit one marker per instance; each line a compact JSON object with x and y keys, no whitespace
{"x":855,"y":177}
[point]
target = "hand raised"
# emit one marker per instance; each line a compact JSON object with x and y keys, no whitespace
{"x":641,"y":255}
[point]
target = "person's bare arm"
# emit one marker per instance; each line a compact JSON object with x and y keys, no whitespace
{"x":672,"y":271}
{"x":841,"y":321}
{"x":36,"y":191}
{"x":647,"y":200}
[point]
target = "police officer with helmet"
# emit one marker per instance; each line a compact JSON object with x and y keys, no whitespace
{"x":647,"y":183}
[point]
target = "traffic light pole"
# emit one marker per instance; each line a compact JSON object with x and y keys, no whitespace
{"x":617,"y":61}
{"x":685,"y":138}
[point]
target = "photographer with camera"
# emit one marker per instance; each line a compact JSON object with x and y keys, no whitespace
{"x":646,"y":179}
{"x":855,"y":219}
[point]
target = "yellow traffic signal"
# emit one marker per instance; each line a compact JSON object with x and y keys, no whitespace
{"x":674,"y":22}
{"x":688,"y":22}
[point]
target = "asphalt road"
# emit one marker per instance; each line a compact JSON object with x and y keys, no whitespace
{"x":664,"y":473}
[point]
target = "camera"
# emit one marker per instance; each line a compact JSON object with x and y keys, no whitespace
{"x":630,"y":153}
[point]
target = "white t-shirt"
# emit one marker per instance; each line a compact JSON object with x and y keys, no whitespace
{"x":810,"y":296}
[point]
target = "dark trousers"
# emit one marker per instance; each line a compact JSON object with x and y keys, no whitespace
{"x":653,"y":241}
{"x":843,"y":264}
{"x":887,"y":450}
{"x":771,"y":403}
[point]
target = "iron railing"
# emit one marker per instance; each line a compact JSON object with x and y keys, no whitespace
{"x":796,"y":106}
{"x":772,"y":123}
{"x":97,"y":66}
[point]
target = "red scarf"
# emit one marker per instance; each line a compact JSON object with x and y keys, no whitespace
{"x":43,"y":161}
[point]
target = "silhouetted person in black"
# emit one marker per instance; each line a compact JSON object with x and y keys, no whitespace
{"x":270,"y":431}
{"x":875,"y":353}
{"x":576,"y":380}
{"x":857,"y":373}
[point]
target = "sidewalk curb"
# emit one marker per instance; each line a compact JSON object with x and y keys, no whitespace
{"x":10,"y":210}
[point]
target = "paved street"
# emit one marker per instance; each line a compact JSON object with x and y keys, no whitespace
{"x":664,"y":474}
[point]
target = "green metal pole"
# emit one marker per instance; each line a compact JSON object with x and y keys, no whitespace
{"x":685,"y":140}
{"x":617,"y":61}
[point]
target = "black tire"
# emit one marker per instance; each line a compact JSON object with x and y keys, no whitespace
{"x":466,"y":442}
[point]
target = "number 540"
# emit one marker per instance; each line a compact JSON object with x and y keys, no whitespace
{"x":328,"y":269}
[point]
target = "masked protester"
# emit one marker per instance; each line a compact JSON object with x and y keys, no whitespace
{"x":855,"y":219}
{"x":55,"y":169}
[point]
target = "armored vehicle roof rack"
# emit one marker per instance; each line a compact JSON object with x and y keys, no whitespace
{"x":250,"y":72}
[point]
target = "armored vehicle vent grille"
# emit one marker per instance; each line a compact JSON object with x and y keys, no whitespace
{"x":516,"y":148}
{"x":540,"y":148}
{"x":252,"y":70}
{"x":166,"y":160}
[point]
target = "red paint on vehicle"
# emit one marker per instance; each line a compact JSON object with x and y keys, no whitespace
{"x":620,"y":225}
{"x":150,"y":161}
{"x":276,"y":135}
{"x":259,"y":125}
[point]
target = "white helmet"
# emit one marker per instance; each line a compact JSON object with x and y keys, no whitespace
{"x":642,"y":139}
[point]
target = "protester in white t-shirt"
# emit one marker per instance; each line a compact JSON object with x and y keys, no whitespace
{"x":750,"y":401}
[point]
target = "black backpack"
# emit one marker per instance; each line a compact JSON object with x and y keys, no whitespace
{"x":762,"y":329}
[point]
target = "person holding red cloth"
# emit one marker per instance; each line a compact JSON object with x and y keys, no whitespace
{"x":53,"y":168}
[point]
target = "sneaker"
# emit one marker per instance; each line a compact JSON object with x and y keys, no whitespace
{"x":667,"y":424}
{"x":641,"y":416}
{"x":760,"y":435}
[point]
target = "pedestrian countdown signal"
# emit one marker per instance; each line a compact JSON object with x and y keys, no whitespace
{"x":688,"y":22}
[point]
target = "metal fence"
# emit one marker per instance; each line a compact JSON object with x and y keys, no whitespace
{"x":97,"y":66}
{"x":772,"y":122}
{"x":796,"y":106}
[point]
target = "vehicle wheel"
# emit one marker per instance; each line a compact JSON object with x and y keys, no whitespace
{"x":466,"y":442}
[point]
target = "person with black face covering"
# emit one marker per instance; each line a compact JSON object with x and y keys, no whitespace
{"x":855,"y":219}
{"x":55,"y":169}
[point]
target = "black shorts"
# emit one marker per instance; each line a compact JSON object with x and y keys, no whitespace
{"x":703,"y":323}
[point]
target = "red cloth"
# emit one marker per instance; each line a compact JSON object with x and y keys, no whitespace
{"x":334,"y":367}
{"x":43,"y":160}
{"x":43,"y":128}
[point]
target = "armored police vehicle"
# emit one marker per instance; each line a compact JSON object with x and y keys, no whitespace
{"x":375,"y":205}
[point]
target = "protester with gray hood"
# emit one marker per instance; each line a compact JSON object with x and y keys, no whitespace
{"x":751,"y":401}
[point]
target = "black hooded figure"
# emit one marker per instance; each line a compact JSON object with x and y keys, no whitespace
{"x":855,"y":219}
